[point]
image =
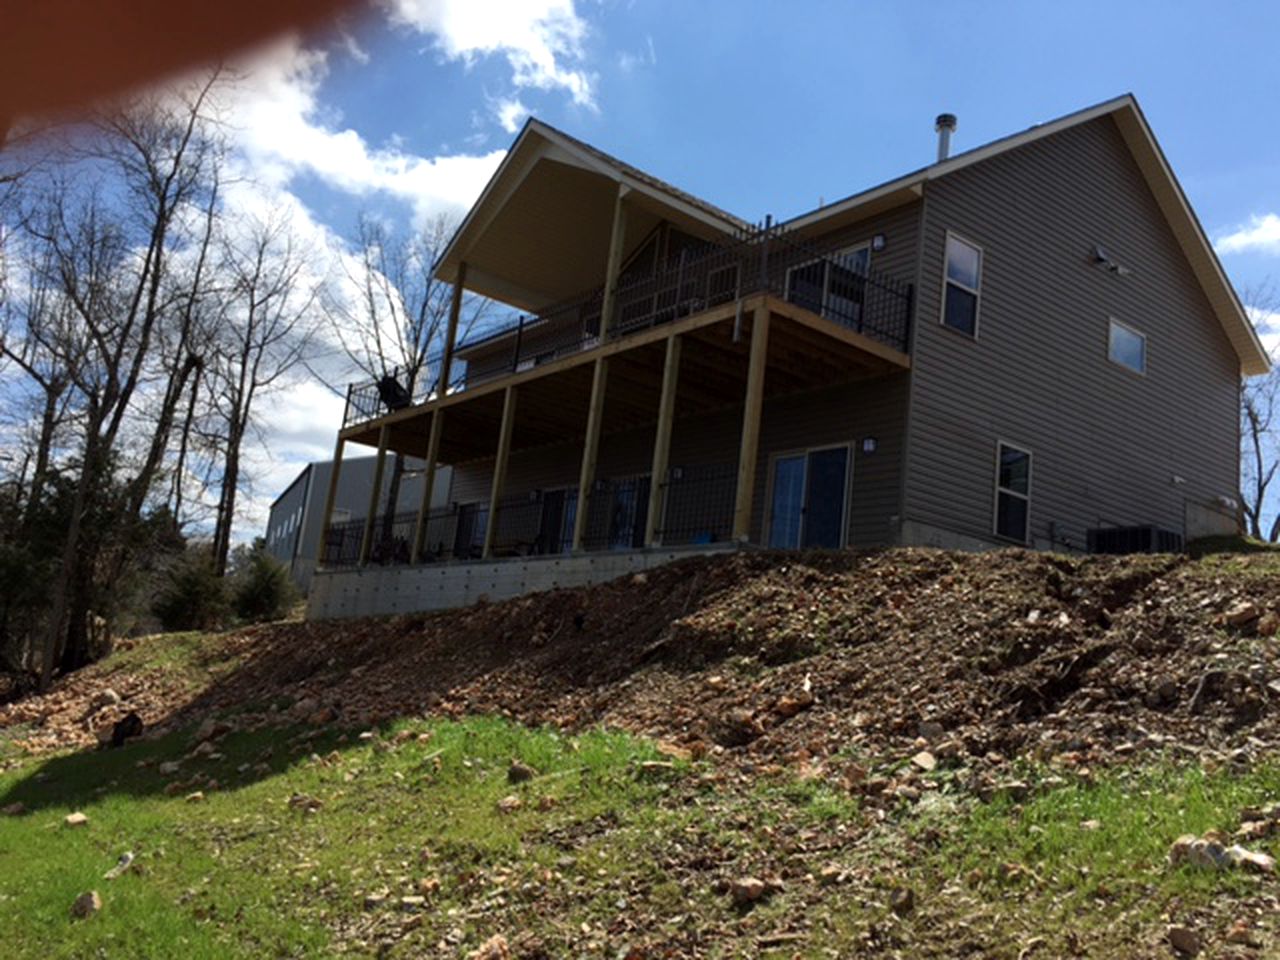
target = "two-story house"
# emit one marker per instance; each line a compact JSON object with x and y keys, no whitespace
{"x":1028,"y":343}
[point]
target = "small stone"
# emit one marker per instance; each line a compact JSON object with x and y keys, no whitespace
{"x":830,"y":875}
{"x":428,"y":886}
{"x":1185,"y":940}
{"x":1269,"y":624}
{"x":372,"y":901}
{"x":1091,"y":825}
{"x":1016,"y":790}
{"x":169,"y":768}
{"x":122,"y":865}
{"x":76,"y":819}
{"x":1241,"y":934}
{"x":14,"y":809}
{"x":925,"y":760}
{"x":932,"y":730}
{"x":412,"y":903}
{"x":195,"y":797}
{"x":520,"y":772}
{"x":1258,"y":862}
{"x":105,"y":698}
{"x":747,"y":890}
{"x":674,"y":751}
{"x":902,"y":900}
{"x":495,"y":948}
{"x":510,"y":804}
{"x":791,"y":705}
{"x":1241,"y":614}
{"x":86,"y":905}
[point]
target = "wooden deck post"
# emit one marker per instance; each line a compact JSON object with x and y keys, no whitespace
{"x":451,"y":331}
{"x":375,"y":494}
{"x":330,"y":499}
{"x":745,"y":489}
{"x":617,"y":237}
{"x":500,"y":468}
{"x":590,"y":451}
{"x":428,"y":484}
{"x":662,"y":443}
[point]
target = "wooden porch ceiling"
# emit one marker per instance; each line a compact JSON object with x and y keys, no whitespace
{"x":805,"y":352}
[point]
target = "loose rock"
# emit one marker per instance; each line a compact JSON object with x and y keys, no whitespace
{"x":520,"y":772}
{"x":495,"y":948}
{"x":86,"y":905}
{"x":1185,"y":940}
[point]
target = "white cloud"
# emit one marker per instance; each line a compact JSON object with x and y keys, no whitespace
{"x":648,"y":57}
{"x":511,"y":113}
{"x":275,"y":114}
{"x":1267,"y":323}
{"x":1261,"y":235}
{"x":541,"y":39}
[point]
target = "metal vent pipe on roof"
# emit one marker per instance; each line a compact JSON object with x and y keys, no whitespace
{"x":945,"y":125}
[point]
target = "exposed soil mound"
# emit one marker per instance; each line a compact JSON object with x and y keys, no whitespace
{"x":835,"y":658}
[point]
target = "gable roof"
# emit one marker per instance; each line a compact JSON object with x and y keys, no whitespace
{"x":537,"y":141}
{"x":1164,"y":186}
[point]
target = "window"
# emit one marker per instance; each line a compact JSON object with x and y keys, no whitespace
{"x":1127,"y":347}
{"x":962,"y":280}
{"x":1013,"y":492}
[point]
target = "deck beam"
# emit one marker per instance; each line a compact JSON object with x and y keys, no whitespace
{"x":617,"y":238}
{"x":330,"y":499}
{"x":590,"y":450}
{"x":428,"y":484}
{"x":375,"y":494}
{"x":745,"y":490}
{"x":662,"y":443}
{"x":500,"y":469}
{"x":451,"y":331}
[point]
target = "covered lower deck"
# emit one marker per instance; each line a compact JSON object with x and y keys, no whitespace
{"x":647,"y":443}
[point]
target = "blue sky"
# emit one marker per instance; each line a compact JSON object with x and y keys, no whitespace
{"x":765,"y":107}
{"x":762,"y":108}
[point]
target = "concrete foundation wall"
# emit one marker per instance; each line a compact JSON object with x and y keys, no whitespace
{"x":377,"y":591}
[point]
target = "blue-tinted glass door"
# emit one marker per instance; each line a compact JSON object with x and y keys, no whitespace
{"x":824,"y":497}
{"x":787,"y":505}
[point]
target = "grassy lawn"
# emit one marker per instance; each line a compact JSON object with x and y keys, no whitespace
{"x":246,"y":873}
{"x":309,"y":841}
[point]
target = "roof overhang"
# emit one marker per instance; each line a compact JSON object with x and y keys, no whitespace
{"x":539,"y":234}
{"x":1155,"y":169}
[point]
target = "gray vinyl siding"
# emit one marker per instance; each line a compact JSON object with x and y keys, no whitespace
{"x":1106,"y":442}
{"x":834,"y":415}
{"x":900,"y":228}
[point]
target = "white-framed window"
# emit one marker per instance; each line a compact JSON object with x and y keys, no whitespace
{"x":1126,"y":346}
{"x":1013,"y":492}
{"x":961,"y":285}
{"x":832,"y":286}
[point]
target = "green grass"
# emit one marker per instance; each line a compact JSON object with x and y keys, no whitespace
{"x":602,"y":852}
{"x":1092,"y":859}
{"x":245,"y":874}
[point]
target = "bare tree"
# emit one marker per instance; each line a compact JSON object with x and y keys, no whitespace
{"x":1260,"y":434}
{"x":389,"y":313}
{"x":110,"y":248}
{"x":265,"y":331}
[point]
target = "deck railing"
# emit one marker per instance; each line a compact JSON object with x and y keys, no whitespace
{"x":829,"y":279}
{"x":697,"y":509}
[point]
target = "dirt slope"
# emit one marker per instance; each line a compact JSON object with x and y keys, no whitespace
{"x":993,"y":656}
